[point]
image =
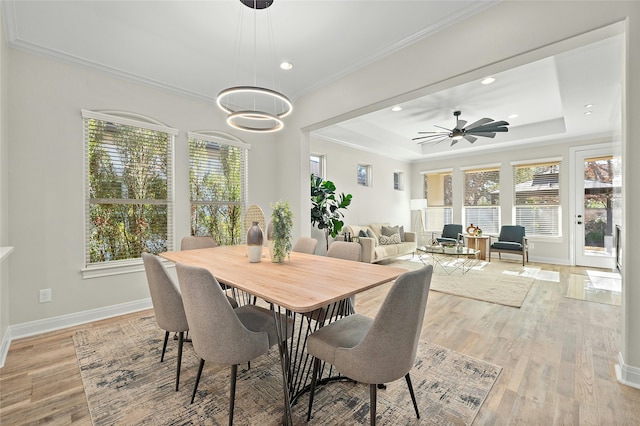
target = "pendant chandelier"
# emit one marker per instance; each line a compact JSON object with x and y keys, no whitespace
{"x":254,"y":108}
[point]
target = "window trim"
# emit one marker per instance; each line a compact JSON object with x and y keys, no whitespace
{"x":223,"y":138}
{"x":125,"y":266}
{"x":369,"y":177}
{"x":538,"y":163}
{"x":323,"y":163}
{"x":494,"y":167}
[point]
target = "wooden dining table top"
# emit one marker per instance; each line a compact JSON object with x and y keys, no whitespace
{"x":303,"y":283}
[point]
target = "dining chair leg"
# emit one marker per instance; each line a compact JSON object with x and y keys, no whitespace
{"x":232,"y":392}
{"x":316,"y":367}
{"x":413,"y":396}
{"x":373,"y":390}
{"x":180,"y":343}
{"x":195,"y":388}
{"x":164,"y":347}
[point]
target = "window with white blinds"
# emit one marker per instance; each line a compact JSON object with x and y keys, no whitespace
{"x":438,"y":191}
{"x":537,"y":198}
{"x":129,"y":194}
{"x":482,"y":198}
{"x":218,"y":186}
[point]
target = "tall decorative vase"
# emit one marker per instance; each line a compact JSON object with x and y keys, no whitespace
{"x":254,"y":243}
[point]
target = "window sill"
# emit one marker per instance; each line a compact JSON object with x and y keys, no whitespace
{"x":112,"y":268}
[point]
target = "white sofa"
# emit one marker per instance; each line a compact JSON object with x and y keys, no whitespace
{"x":372,"y":250}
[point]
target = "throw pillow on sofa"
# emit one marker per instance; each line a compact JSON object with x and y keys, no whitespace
{"x":387,"y":240}
{"x":390,"y":230}
{"x":372,"y":234}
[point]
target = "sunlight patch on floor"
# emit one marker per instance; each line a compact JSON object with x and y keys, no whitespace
{"x":596,"y":286}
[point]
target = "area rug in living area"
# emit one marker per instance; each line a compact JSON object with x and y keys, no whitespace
{"x":125,"y":383}
{"x":496,"y":282}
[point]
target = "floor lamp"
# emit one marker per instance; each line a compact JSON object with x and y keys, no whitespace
{"x":419,"y":204}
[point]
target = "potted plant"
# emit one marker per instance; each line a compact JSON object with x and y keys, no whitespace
{"x":279,"y":231}
{"x":326,"y":206}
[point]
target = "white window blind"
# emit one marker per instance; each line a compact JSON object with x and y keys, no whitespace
{"x":482,"y":198}
{"x":218,"y":187}
{"x":438,"y":190}
{"x":537,"y":198}
{"x":129,"y":186}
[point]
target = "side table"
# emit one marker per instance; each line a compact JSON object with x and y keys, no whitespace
{"x":478,"y":243}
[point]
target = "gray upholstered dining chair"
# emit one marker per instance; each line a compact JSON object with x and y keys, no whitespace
{"x":167,"y":305}
{"x":221,"y":334}
{"x":340,"y":250}
{"x":305,"y":245}
{"x":192,"y":243}
{"x":378,"y":350}
{"x":345,"y":250}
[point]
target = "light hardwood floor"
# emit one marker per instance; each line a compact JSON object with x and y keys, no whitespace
{"x":558,"y":356}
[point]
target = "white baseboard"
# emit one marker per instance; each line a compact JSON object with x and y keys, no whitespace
{"x":627,"y":374}
{"x":31,"y":328}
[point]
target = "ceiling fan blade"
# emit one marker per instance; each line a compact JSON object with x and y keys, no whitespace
{"x":440,"y":127}
{"x":488,"y":128}
{"x":429,"y":137}
{"x":460,"y":124}
{"x":470,"y":138}
{"x":485,"y":134}
{"x":453,"y":142}
{"x":433,"y":141}
{"x":478,"y":123}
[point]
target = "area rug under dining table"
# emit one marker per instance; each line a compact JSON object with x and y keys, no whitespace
{"x":126,"y":384}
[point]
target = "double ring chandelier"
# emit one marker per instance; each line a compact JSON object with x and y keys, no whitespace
{"x":254,"y":108}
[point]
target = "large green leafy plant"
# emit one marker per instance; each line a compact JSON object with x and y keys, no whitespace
{"x":326,"y":206}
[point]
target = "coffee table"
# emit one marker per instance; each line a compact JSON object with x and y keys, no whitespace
{"x":451,"y":259}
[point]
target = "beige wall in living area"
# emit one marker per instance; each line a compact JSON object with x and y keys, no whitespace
{"x":378,"y":203}
{"x":513,"y":29}
{"x":46,"y":179}
{"x":4,"y":193}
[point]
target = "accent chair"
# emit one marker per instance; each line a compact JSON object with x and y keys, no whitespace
{"x":512,"y":239}
{"x":451,"y":233}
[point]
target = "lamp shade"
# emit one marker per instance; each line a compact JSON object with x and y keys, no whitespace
{"x":418,"y":203}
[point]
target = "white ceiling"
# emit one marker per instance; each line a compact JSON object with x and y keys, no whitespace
{"x":198,"y":48}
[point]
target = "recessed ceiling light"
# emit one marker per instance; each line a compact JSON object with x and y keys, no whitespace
{"x":396,"y":108}
{"x":513,"y":116}
{"x":488,"y":80}
{"x":286,"y":65}
{"x":588,"y":105}
{"x":588,"y":112}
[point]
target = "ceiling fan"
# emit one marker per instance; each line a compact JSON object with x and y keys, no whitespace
{"x":484,"y":127}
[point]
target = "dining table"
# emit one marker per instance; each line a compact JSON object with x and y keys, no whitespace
{"x":311,"y":289}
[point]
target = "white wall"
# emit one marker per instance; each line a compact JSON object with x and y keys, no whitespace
{"x":4,"y":191}
{"x":378,"y":203}
{"x":46,"y":194}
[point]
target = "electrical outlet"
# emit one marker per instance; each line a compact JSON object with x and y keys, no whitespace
{"x":45,"y":295}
